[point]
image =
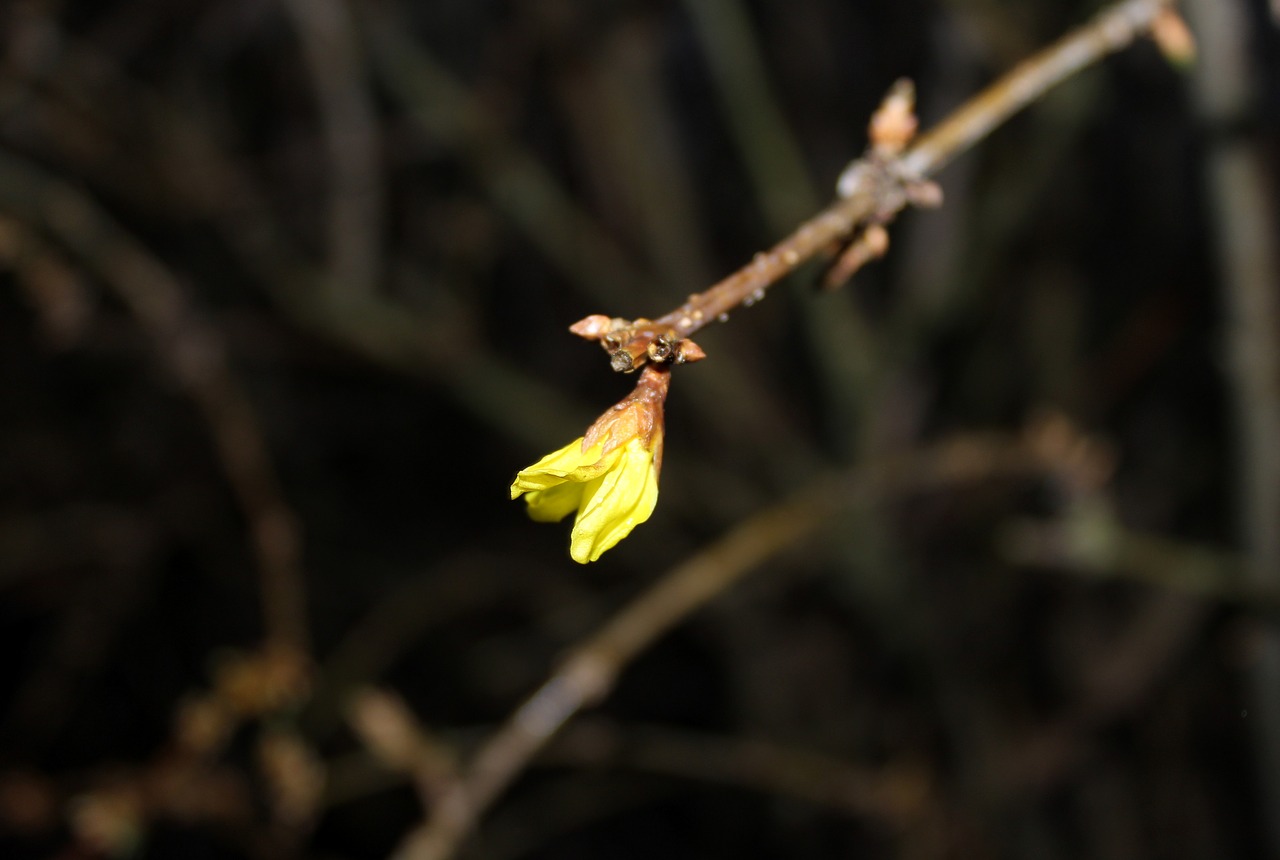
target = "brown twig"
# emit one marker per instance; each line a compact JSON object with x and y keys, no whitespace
{"x":875,"y":189}
{"x":592,"y":668}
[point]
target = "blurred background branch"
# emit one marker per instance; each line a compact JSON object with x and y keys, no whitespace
{"x":1244,"y":234}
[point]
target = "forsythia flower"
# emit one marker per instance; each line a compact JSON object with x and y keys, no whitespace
{"x":609,"y":476}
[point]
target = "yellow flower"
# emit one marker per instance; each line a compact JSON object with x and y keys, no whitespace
{"x":609,"y":476}
{"x":612,"y":492}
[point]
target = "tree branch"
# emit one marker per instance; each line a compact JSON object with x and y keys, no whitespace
{"x":874,"y":189}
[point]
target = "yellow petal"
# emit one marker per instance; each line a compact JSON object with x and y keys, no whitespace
{"x":570,"y":463}
{"x":555,"y":503}
{"x":613,"y":506}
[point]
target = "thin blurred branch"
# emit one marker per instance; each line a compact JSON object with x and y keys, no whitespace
{"x":1108,"y":551}
{"x":773,"y":157}
{"x":331,"y":47}
{"x":900,"y":796}
{"x":205,"y":178}
{"x":389,"y":731}
{"x":898,"y":793}
{"x":1245,"y":229}
{"x":592,"y":668}
{"x":193,"y":351}
{"x":467,"y":583}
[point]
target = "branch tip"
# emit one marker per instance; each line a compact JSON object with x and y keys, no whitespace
{"x":1173,"y":37}
{"x":894,"y":123}
{"x":592,"y":327}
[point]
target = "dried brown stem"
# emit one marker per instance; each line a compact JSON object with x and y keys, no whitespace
{"x":875,"y":188}
{"x":592,"y":668}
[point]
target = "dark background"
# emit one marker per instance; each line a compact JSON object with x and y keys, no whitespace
{"x":368,"y":263}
